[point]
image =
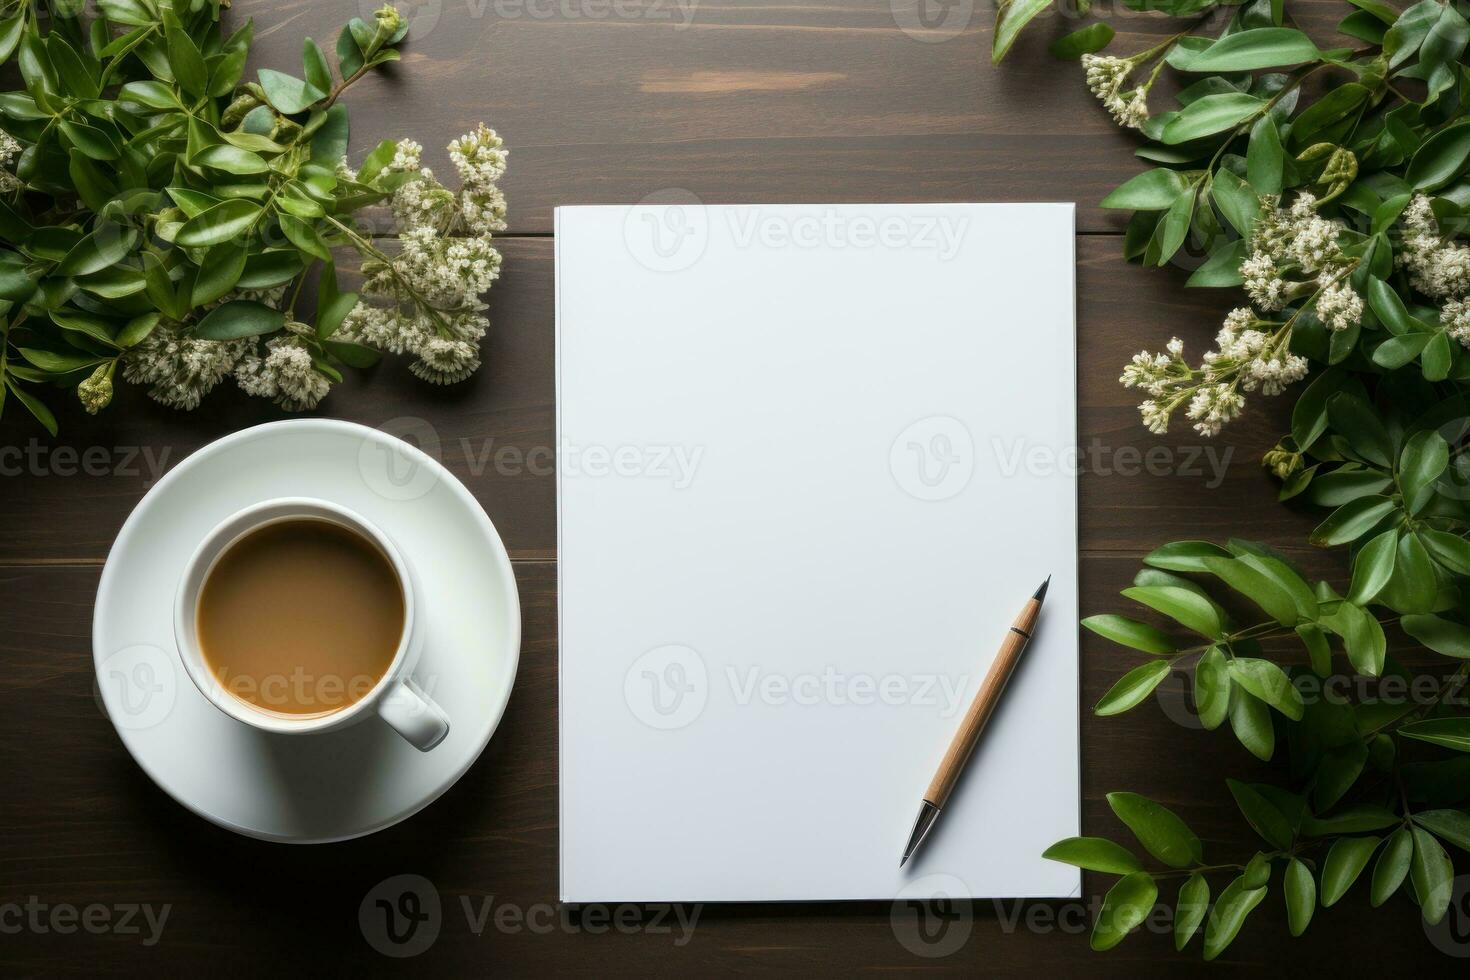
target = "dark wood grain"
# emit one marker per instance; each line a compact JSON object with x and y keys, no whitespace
{"x":607,"y":101}
{"x":81,"y":824}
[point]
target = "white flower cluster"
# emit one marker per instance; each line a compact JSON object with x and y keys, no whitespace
{"x":179,"y":369}
{"x":1298,"y":240}
{"x":1106,"y":76}
{"x":1247,"y":358}
{"x":1214,"y":405}
{"x":479,"y":158}
{"x":286,"y":373}
{"x":1456,"y":319}
{"x":425,"y":300}
{"x":1437,"y":267}
{"x":1253,"y":354}
{"x":1339,"y":306}
{"x":9,"y":149}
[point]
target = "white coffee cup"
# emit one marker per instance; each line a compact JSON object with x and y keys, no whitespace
{"x":395,"y":697}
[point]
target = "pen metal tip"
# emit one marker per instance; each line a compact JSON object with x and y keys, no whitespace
{"x":927,"y":812}
{"x":1041,"y":591}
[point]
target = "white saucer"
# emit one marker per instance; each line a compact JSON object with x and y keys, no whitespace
{"x":324,"y":787}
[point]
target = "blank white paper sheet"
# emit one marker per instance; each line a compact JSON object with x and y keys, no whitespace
{"x":812,"y":461}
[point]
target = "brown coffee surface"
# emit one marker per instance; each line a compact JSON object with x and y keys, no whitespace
{"x":300,"y":618}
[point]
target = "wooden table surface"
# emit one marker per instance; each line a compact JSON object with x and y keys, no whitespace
{"x":732,"y":100}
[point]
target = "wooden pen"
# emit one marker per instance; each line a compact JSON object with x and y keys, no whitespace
{"x":964,"y":741}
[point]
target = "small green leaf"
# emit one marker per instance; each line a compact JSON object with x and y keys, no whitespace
{"x":1265,"y":160}
{"x":1133,"y":688}
{"x":1336,"y":773}
{"x":1222,"y":268}
{"x":1124,"y":908}
{"x":137,"y":329}
{"x":90,"y":140}
{"x":1130,"y":633}
{"x":1011,"y":16}
{"x":1425,"y":456}
{"x":33,"y":405}
{"x":1263,"y":47}
{"x":1190,"y":610}
{"x":1441,"y":635}
{"x":1395,"y":352}
{"x":1413,"y":586}
{"x":239,"y":318}
{"x":1184,"y":556}
{"x":1194,"y":902}
{"x":1360,"y":424}
{"x":1264,"y":817}
{"x":1212,"y":689}
{"x":222,"y":223}
{"x":1362,"y":637}
{"x":218,"y":273}
{"x":1229,"y":914}
{"x":1250,"y":582}
{"x":1452,"y":733}
{"x":1158,"y":829}
{"x":1345,"y":860}
{"x":1440,"y":159}
{"x":1268,"y":682}
{"x":1393,"y":865}
{"x":1250,"y":719}
{"x":1318,"y":651}
{"x":1352,"y":520}
{"x":314,"y":65}
{"x":54,"y":363}
{"x":1356,"y":819}
{"x":101,"y":249}
{"x":1432,"y":874}
{"x":88,"y":324}
{"x":1209,"y":115}
{"x":287,"y":94}
{"x":230,"y":159}
{"x":1301,"y":896}
{"x":186,"y":61}
{"x":1450,"y":825}
{"x":353,"y":355}
{"x":1152,"y":190}
{"x":1236,"y":201}
{"x":1088,"y":40}
{"x":305,"y":237}
{"x":1373,"y":567}
{"x":1094,"y":854}
{"x":1450,"y":550}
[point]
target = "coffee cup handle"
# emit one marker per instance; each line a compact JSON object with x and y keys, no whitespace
{"x":414,"y":715}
